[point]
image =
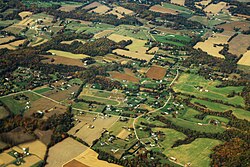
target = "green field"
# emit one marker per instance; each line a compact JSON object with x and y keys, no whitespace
{"x":197,"y":152}
{"x":132,"y":31}
{"x":6,"y":23}
{"x":208,"y":128}
{"x":118,"y":126}
{"x":187,"y":83}
{"x":239,"y":113}
{"x":18,"y":106}
{"x":178,"y":40}
{"x":93,"y":28}
{"x":42,"y":90}
{"x":205,"y":21}
{"x":171,"y":136}
{"x":181,"y":9}
{"x":190,"y":113}
{"x":49,"y":3}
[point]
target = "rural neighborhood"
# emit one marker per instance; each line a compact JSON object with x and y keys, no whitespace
{"x":133,"y":83}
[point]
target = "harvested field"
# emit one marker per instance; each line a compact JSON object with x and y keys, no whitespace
{"x":74,"y":163}
{"x":35,"y":147}
{"x":44,"y":136}
{"x":245,"y":60}
{"x":17,"y":43}
{"x":92,"y":5}
{"x":89,"y":158}
{"x":13,"y":45}
{"x":103,"y":33}
{"x":123,"y":76}
{"x":6,"y":39}
{"x":215,"y":8}
{"x":209,"y":45}
{"x":119,"y":16}
{"x":243,"y":26}
{"x":64,"y":151}
{"x":83,"y":130}
{"x":123,"y":10}
{"x":100,"y":9}
{"x":5,"y":158}
{"x":137,"y":45}
{"x":47,"y":106}
{"x":62,"y":60}
{"x":141,"y":56}
{"x":161,"y":9}
{"x":68,"y":8}
{"x":156,"y":72}
{"x":25,"y":14}
{"x":123,"y":134}
{"x":68,"y":54}
{"x":202,"y":3}
{"x":39,"y":41}
{"x":239,"y":44}
{"x":120,"y":11}
{"x":30,"y":161}
{"x":178,"y":2}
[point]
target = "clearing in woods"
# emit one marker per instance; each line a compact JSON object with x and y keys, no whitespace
{"x":68,"y":54}
{"x":211,"y":44}
{"x":215,"y":8}
{"x":133,"y":55}
{"x":63,"y":60}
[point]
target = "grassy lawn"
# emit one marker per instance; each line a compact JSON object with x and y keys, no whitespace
{"x":197,"y":152}
{"x":43,"y":90}
{"x":17,"y":106}
{"x":171,"y":136}
{"x":187,"y":83}
{"x":239,"y":113}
